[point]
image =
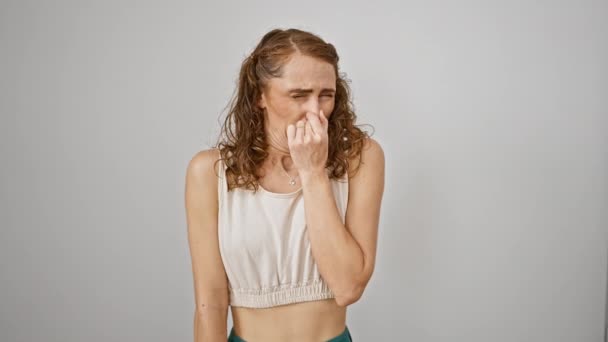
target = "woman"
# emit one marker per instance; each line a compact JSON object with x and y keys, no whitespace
{"x":286,"y":235}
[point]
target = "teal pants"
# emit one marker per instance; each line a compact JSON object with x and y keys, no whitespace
{"x":343,"y":337}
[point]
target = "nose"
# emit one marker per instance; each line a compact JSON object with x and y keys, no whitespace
{"x":312,"y":105}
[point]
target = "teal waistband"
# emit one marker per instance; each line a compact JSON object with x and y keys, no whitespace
{"x":343,"y":337}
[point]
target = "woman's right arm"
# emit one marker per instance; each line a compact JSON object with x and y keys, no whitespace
{"x":210,"y":280}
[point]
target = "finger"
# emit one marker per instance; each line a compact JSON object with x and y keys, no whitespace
{"x":308,"y":134}
{"x":299,"y":132}
{"x":291,"y":133}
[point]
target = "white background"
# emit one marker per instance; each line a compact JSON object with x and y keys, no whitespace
{"x":492,"y":115}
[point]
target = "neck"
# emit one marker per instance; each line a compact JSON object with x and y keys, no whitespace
{"x":279,"y":159}
{"x":279,"y":155}
{"x":276,"y":137}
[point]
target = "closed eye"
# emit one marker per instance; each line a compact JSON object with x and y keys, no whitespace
{"x":298,"y":96}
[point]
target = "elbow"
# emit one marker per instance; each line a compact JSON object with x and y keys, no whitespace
{"x":344,"y":301}
{"x":351,"y":294}
{"x":350,"y":297}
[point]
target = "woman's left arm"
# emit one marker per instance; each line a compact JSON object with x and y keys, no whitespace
{"x":345,"y":253}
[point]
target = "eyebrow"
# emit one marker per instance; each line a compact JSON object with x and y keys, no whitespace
{"x":302,"y":90}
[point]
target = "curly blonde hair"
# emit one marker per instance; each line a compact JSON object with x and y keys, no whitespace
{"x":242,"y":142}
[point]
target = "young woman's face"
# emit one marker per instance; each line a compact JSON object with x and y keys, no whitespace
{"x":307,"y":85}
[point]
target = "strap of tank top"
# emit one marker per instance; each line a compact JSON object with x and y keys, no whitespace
{"x":221,"y":182}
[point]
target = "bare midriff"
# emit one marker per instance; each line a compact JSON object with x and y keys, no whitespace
{"x":311,"y":321}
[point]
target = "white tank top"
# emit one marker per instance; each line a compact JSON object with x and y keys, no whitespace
{"x":265,"y":247}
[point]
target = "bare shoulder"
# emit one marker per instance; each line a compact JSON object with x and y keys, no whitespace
{"x":372,"y":151}
{"x":203,"y":169}
{"x":372,"y":156}
{"x":203,"y":164}
{"x":201,"y":180}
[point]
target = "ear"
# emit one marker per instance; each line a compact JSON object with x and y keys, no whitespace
{"x":262,"y":101}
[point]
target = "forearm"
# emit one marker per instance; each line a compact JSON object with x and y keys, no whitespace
{"x":210,"y":324}
{"x":337,"y":254}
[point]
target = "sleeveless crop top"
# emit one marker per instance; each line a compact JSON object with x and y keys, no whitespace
{"x":264,"y":245}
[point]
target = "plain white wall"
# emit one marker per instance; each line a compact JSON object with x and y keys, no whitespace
{"x":492,"y":115}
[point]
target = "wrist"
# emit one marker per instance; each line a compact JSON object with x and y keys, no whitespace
{"x":311,"y":176}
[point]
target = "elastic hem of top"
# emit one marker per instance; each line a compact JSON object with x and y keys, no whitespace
{"x":264,"y":298}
